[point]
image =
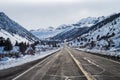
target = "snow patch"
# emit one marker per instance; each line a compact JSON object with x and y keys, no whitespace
{"x":12,"y":62}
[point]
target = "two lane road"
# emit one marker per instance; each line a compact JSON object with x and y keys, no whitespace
{"x":59,"y":66}
{"x":71,"y":64}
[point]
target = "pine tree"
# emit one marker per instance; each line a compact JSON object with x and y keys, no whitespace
{"x":16,"y":44}
{"x":22,"y":47}
{"x":33,"y":46}
{"x":8,"y":45}
{"x":2,"y":41}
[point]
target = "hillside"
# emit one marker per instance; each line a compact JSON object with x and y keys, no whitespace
{"x":14,"y":31}
{"x":78,"y":29}
{"x":44,"y":34}
{"x":104,"y":35}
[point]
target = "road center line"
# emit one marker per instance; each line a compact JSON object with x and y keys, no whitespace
{"x":87,"y":75}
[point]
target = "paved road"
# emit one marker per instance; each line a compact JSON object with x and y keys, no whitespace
{"x":59,"y":66}
{"x":71,"y":64}
{"x":99,"y":67}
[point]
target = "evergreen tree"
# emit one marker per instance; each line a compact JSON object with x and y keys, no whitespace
{"x":54,"y":44}
{"x":78,"y":39}
{"x":16,"y":44}
{"x":2,"y":41}
{"x":27,"y":45}
{"x":33,"y":46}
{"x":22,"y":47}
{"x":8,"y":45}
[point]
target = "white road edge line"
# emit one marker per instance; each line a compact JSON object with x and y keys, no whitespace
{"x":91,"y":62}
{"x":31,"y":68}
{"x":102,"y":57}
{"x":87,"y":75}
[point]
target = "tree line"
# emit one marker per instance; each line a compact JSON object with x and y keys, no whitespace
{"x":7,"y":44}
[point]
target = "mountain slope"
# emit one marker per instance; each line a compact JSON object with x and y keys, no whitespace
{"x":70,"y":34}
{"x":14,"y":31}
{"x":45,"y":33}
{"x":78,"y":29}
{"x":50,"y":32}
{"x":103,"y":35}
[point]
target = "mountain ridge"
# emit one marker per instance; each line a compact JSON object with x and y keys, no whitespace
{"x":59,"y":32}
{"x":11,"y":29}
{"x":78,"y":29}
{"x":104,"y":35}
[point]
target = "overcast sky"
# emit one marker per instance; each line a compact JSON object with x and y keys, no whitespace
{"x":34,"y":14}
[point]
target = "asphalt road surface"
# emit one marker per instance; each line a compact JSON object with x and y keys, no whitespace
{"x":72,"y":64}
{"x":59,"y":66}
{"x":99,"y":67}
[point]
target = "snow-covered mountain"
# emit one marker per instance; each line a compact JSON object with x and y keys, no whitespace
{"x":89,"y":21}
{"x":77,"y":29}
{"x":14,"y":31}
{"x":50,"y":32}
{"x":45,"y":33}
{"x":61,"y":32}
{"x":103,"y":35}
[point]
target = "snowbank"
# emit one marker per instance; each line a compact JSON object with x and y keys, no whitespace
{"x":12,"y":62}
{"x":103,"y":52}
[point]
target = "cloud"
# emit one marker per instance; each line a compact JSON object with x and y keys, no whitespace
{"x":41,"y":1}
{"x":33,"y":14}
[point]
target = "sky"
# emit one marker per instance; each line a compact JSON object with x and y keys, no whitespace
{"x":35,"y":14}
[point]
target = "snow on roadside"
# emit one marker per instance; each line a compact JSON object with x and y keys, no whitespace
{"x":12,"y":62}
{"x":103,"y":52}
